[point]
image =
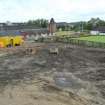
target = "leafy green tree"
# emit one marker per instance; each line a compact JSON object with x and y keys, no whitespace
{"x":41,"y":23}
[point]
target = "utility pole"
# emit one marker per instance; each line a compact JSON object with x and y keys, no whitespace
{"x":82,"y":27}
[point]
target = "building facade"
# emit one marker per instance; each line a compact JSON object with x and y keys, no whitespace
{"x":98,"y":31}
{"x":52,"y":26}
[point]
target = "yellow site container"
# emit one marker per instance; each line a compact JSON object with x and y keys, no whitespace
{"x":1,"y":45}
{"x":5,"y":41}
{"x":16,"y":40}
{"x":11,"y":40}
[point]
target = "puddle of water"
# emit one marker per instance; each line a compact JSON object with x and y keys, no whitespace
{"x":65,"y":80}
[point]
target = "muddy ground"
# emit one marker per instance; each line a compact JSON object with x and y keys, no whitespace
{"x":76,"y":76}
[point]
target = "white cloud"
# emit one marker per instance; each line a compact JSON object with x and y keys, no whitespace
{"x":62,"y":10}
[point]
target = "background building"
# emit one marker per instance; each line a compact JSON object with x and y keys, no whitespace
{"x":52,"y":26}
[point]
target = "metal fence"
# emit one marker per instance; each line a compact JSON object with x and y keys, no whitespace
{"x":73,"y":41}
{"x":81,"y":42}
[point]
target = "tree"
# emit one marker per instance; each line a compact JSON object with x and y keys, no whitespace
{"x":41,"y":23}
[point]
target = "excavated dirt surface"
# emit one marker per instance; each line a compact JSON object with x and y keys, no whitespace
{"x":75,"y":76}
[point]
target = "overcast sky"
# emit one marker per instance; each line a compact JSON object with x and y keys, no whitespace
{"x":61,"y":10}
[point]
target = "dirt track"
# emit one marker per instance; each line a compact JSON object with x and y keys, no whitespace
{"x":76,"y":76}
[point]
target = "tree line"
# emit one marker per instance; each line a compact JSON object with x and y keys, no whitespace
{"x":76,"y":26}
{"x":83,"y":25}
{"x":39,"y":23}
